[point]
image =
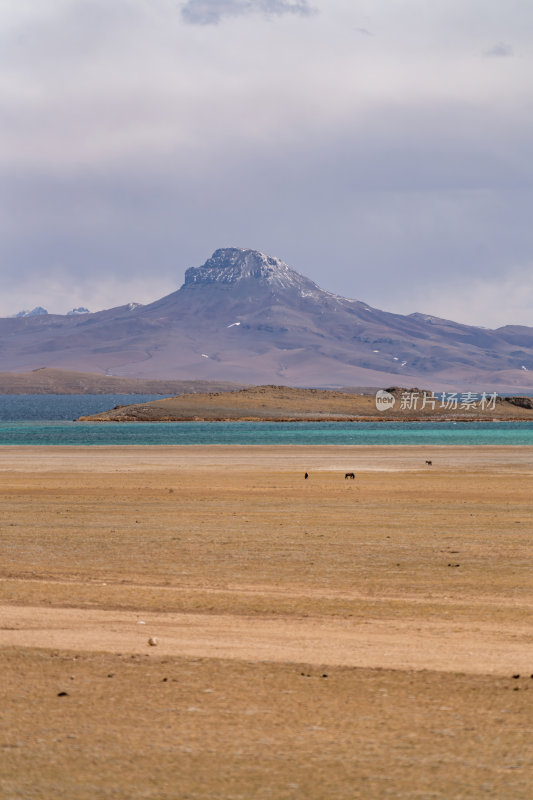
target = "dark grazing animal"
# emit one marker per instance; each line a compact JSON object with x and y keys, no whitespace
{"x":429,"y":463}
{"x":350,"y":475}
{"x":306,"y":476}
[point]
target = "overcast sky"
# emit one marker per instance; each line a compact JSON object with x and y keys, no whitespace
{"x":384,"y":148}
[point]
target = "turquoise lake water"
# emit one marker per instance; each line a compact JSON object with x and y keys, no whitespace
{"x":338,"y":433}
{"x":48,"y":420}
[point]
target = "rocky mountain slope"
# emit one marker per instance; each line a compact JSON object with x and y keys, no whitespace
{"x":247,"y":317}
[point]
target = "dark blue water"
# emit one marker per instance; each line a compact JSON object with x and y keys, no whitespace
{"x":63,"y":406}
{"x":48,"y":420}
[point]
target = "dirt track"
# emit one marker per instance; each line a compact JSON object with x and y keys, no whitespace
{"x":406,"y":644}
{"x":319,"y":638}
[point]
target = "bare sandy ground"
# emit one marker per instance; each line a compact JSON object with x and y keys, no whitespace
{"x":130,"y":458}
{"x":406,"y":644}
{"x":321,"y":638}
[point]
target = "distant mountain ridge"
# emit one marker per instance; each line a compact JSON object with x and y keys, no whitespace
{"x":248,"y":317}
{"x":57,"y":381}
{"x":39,"y":311}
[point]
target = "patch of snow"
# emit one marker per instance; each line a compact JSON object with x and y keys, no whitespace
{"x":375,"y":351}
{"x":404,"y":363}
{"x":232,"y":265}
{"x":395,"y":358}
{"x":204,"y":355}
{"x":524,"y":367}
{"x":233,"y":324}
{"x":35,"y":312}
{"x":335,"y":296}
{"x":79,"y":310}
{"x":133,"y":306}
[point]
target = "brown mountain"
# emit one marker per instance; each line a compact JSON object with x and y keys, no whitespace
{"x":247,"y":317}
{"x":48,"y":380}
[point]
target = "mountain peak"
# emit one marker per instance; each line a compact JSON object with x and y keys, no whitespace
{"x":233,"y":265}
{"x":248,"y":317}
{"x":35,"y":312}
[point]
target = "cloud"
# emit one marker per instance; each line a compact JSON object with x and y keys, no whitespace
{"x":499,"y":50}
{"x":136,"y":140}
{"x":496,"y":301}
{"x":59,"y":290}
{"x":211,"y":12}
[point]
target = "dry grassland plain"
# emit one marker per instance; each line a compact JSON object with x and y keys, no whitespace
{"x":319,"y":638}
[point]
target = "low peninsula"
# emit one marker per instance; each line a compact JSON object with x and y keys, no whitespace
{"x":287,"y":404}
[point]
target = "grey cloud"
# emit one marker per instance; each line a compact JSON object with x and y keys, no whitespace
{"x":501,"y":49}
{"x":211,"y":12}
{"x":388,"y":221}
{"x":132,"y":149}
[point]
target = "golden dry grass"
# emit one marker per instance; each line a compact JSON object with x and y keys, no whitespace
{"x":409,"y":588}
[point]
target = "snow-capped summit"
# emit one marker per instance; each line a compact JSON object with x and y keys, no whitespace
{"x":35,"y":312}
{"x":248,"y":317}
{"x":234,"y":265}
{"x":79,"y":310}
